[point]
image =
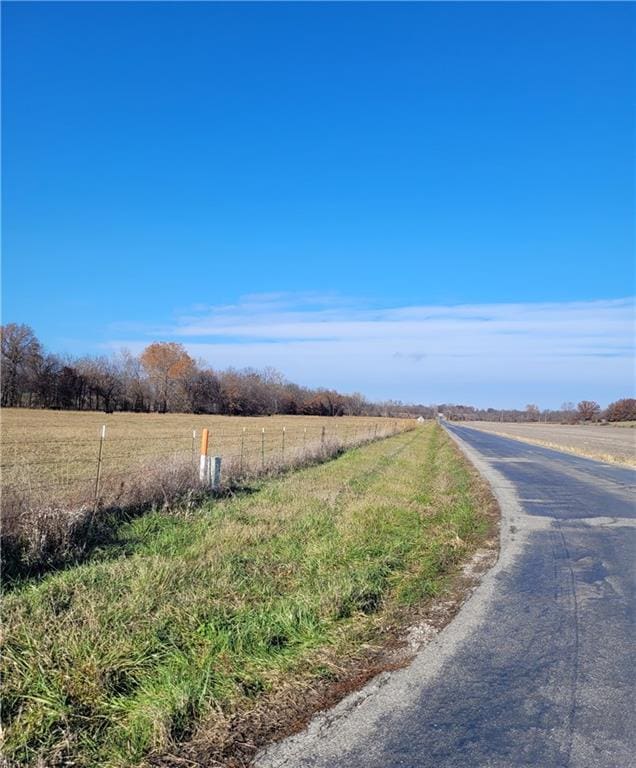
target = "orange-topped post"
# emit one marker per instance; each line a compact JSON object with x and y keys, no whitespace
{"x":204,"y":442}
{"x":204,"y":462}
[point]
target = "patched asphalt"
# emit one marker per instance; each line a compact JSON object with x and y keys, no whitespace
{"x":537,"y":670}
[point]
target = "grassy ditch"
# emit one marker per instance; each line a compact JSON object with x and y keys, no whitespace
{"x":192,"y":618}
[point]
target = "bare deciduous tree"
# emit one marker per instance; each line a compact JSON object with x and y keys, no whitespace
{"x":588,"y":410}
{"x":622,"y":410}
{"x":533,"y":413}
{"x":20,"y":352}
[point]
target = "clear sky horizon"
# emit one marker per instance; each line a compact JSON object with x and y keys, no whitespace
{"x":431,"y":202}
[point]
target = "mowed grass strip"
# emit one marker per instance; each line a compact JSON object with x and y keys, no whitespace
{"x":202,"y":613}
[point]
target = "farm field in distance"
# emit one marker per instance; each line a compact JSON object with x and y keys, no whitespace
{"x":604,"y":442}
{"x":55,"y":453}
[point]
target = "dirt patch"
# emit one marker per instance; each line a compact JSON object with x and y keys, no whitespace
{"x":596,"y":441}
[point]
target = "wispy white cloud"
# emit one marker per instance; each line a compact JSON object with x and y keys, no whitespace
{"x":480,"y":353}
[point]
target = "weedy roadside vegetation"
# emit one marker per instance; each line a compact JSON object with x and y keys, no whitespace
{"x":188,"y":620}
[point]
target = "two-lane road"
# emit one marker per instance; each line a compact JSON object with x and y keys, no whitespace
{"x":538,"y":668}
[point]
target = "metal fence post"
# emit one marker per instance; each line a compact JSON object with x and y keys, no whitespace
{"x":322,"y":436}
{"x":282,"y":447}
{"x":216,"y":481}
{"x":242,"y":447}
{"x":263,"y":448}
{"x":99,"y":467}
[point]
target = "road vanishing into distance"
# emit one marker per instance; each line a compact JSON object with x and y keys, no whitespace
{"x":538,"y":668}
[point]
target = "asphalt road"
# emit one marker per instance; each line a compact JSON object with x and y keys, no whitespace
{"x":538,"y":668}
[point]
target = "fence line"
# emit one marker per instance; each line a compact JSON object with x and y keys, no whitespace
{"x":110,"y":463}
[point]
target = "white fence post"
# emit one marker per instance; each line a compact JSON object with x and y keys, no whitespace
{"x":204,"y":461}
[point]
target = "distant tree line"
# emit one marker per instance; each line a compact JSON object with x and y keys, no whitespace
{"x":165,"y":378}
{"x":587,"y":411}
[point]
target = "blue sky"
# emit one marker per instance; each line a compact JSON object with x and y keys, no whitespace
{"x":428,"y":201}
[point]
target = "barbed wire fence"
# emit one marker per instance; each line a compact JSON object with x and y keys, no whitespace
{"x":109,"y":468}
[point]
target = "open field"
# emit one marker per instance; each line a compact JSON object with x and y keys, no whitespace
{"x":597,"y":441}
{"x":191,"y":621}
{"x":54,"y":454}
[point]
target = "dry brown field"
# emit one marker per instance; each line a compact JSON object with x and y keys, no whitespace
{"x":55,"y":453}
{"x":603,"y":442}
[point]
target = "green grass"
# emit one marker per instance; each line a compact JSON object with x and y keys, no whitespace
{"x":193,"y":614}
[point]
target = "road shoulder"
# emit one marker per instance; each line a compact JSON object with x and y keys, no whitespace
{"x":332,"y":732}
